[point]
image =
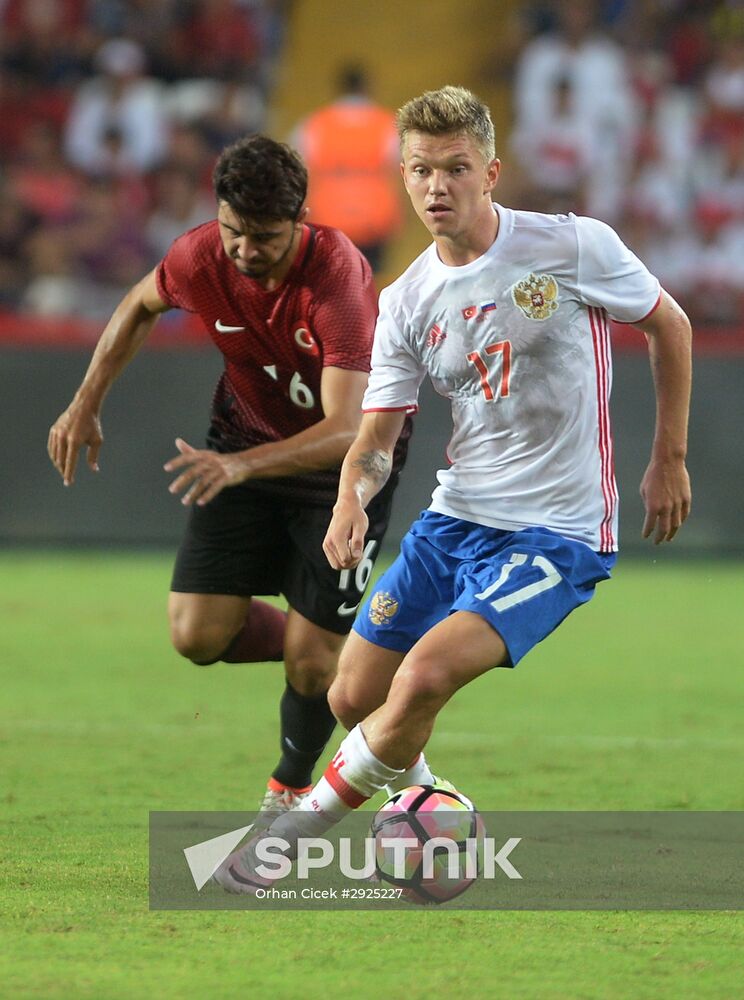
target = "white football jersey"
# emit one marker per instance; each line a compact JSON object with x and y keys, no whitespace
{"x":518,"y":340}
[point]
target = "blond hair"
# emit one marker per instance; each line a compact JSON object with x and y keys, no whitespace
{"x":449,"y":110}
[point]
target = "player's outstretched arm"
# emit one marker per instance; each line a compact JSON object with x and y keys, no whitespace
{"x":665,"y":487}
{"x":203,"y":473}
{"x":365,"y":471}
{"x":124,"y":334}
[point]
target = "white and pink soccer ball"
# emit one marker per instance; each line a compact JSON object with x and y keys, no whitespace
{"x":442,"y":818}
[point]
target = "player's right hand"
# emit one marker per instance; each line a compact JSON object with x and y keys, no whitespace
{"x":73,"y":429}
{"x":344,"y":540}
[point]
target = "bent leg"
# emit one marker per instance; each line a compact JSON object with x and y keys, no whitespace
{"x":450,"y":655}
{"x":210,"y":627}
{"x":232,"y":548}
{"x":365,"y":672}
{"x":202,"y":626}
{"x":310,"y":654}
{"x":261,"y":636}
{"x":377,"y":753}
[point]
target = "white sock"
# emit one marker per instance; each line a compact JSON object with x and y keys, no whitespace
{"x":353,"y":776}
{"x":417,"y":773}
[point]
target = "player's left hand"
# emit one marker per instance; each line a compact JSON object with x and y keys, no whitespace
{"x":206,"y":473}
{"x":667,"y":496}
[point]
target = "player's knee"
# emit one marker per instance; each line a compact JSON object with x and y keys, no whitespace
{"x":310,"y":672}
{"x":422,"y":683}
{"x":346,"y":704}
{"x":200,"y":645}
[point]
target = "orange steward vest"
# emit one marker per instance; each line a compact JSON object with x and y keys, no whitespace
{"x":350,"y":151}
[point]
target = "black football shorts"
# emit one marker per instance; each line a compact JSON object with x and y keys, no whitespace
{"x":247,"y":543}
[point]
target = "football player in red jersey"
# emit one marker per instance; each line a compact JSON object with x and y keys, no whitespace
{"x":292,"y":308}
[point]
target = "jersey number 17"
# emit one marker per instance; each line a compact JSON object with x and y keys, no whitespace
{"x":494,"y":382}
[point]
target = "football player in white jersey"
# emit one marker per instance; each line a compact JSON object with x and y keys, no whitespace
{"x":508,"y":313}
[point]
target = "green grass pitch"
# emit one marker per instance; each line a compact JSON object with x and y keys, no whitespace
{"x":635,"y":703}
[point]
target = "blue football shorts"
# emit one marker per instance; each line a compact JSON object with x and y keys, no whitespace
{"x":524,"y":583}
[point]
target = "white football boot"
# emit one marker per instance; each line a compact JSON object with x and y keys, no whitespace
{"x":237,"y":873}
{"x":275,"y":804}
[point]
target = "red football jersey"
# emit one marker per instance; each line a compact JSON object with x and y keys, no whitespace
{"x":275,"y":343}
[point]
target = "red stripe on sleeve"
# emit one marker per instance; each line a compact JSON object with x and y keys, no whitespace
{"x":390,"y":409}
{"x":635,"y":322}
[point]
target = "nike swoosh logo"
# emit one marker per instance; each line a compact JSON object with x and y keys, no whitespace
{"x":344,"y":609}
{"x":220,"y":327}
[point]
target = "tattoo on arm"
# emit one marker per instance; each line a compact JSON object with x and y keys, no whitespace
{"x":375,"y":465}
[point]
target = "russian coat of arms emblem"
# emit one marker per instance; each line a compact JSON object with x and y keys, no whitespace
{"x":382,"y":608}
{"x":536,"y":295}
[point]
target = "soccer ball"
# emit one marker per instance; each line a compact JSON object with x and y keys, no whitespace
{"x":426,"y":842}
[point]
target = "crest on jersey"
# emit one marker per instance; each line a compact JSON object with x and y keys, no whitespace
{"x":536,"y":295}
{"x":305,"y":340}
{"x":435,"y":336}
{"x":382,"y":608}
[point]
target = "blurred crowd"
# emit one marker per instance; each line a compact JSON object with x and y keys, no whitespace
{"x":633,"y":112}
{"x":111,"y":115}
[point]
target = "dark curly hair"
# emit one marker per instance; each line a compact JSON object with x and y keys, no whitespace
{"x":260,"y":178}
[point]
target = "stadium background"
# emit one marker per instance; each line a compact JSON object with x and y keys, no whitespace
{"x":75,"y":231}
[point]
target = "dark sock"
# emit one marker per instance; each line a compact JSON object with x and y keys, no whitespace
{"x":261,"y":637}
{"x":306,"y":727}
